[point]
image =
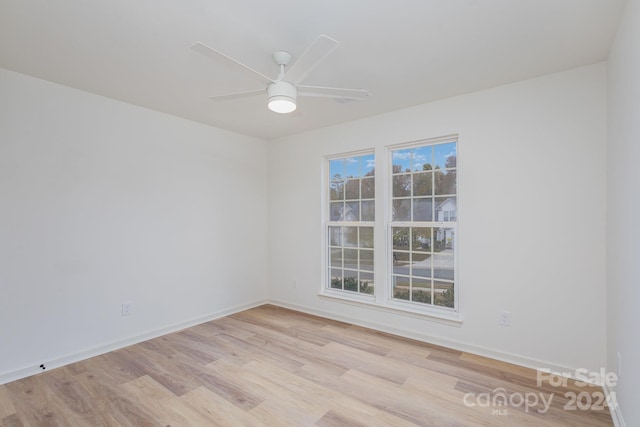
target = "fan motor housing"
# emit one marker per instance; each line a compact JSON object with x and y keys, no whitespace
{"x":282,"y":88}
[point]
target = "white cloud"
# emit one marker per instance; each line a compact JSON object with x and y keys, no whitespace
{"x":401,"y":155}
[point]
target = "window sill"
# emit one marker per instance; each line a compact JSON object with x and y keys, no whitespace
{"x":369,"y":301}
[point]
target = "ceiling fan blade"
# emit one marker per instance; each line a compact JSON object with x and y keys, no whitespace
{"x":205,"y":50}
{"x":333,"y":92}
{"x":236,"y":95}
{"x":314,"y":55}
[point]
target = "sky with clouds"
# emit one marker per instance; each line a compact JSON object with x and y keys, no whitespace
{"x":408,"y":158}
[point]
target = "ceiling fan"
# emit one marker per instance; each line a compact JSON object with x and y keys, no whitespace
{"x":283,"y":91}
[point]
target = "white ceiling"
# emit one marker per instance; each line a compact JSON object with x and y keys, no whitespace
{"x":406,"y":52}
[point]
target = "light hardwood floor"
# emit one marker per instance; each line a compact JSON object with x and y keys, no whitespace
{"x":271,"y":366}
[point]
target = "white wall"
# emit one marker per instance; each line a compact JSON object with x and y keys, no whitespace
{"x":103,"y":202}
{"x":537,"y":147}
{"x":623,"y":202}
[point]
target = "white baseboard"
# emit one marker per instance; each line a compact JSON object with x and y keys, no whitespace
{"x":83,"y":355}
{"x":431,"y":339}
{"x":614,"y":408}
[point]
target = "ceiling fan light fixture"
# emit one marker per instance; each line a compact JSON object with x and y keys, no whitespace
{"x":282,"y":97}
{"x":282,"y":104}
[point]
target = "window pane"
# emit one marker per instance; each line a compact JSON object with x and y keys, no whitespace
{"x":401,"y":261}
{"x":402,"y":185}
{"x":368,"y":166}
{"x":336,"y":278}
{"x":352,"y":211}
{"x":423,"y":184}
{"x":422,"y":158}
{"x":423,"y":209}
{"x":366,"y":283}
{"x":446,"y":209}
{"x":401,"y":287}
{"x":421,"y":237}
{"x":335,"y":236}
{"x":445,"y":155}
{"x":352,"y":167}
{"x":335,"y":211}
{"x":421,"y":264}
{"x":336,"y":169}
{"x":351,"y":258}
{"x":368,"y":186}
{"x":366,"y":237}
{"x":445,"y":182}
{"x":368,"y":211}
{"x":443,"y":294}
{"x":366,"y":260}
{"x":444,"y":239}
{"x":421,"y":291}
{"x":336,"y":257}
{"x":443,"y":266}
{"x":336,"y":190}
{"x":350,"y":237}
{"x":350,"y":280}
{"x":401,"y":210}
{"x":401,"y":160}
{"x":400,"y":237}
{"x":352,"y":189}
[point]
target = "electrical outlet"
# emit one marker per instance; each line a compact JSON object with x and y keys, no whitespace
{"x":127,"y":308}
{"x":505,"y":318}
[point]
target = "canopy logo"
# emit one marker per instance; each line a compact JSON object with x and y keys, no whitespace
{"x":499,"y":400}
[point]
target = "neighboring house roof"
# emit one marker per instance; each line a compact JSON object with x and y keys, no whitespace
{"x":448,"y":200}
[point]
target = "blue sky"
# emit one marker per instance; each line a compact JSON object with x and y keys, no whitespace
{"x":415,"y":158}
{"x":409,"y":158}
{"x":352,"y":166}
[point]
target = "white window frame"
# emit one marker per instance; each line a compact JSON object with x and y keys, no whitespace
{"x":382,"y":299}
{"x":428,"y":309}
{"x":327,"y":290}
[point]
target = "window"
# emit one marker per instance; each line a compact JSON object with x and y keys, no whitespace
{"x":420,"y":222}
{"x":350,"y":225}
{"x":423,"y":224}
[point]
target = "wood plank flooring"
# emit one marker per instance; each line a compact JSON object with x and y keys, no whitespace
{"x":271,"y":366}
